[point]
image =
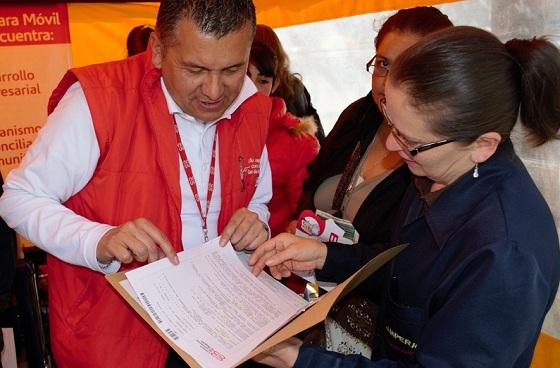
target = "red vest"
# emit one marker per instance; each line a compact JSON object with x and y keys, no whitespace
{"x":137,"y":176}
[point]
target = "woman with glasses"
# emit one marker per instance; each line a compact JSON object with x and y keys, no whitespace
{"x":481,"y":269}
{"x":356,"y":178}
{"x":354,"y":172}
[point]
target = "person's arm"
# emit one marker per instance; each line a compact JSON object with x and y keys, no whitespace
{"x":492,"y":314}
{"x":287,"y":253}
{"x":57,"y":165}
{"x":490,"y":317}
{"x":343,"y":260}
{"x":263,"y":192}
{"x":248,"y":227}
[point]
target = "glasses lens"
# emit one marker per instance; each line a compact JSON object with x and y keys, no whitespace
{"x":380,"y":66}
{"x":401,"y":142}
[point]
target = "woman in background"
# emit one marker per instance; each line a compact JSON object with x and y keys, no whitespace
{"x":138,"y":38}
{"x":355,"y":176}
{"x":291,"y":143}
{"x":474,"y":284}
{"x":290,"y":87}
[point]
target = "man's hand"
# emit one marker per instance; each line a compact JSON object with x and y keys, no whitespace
{"x":244,"y":230}
{"x":138,"y":240}
{"x":283,"y":355}
{"x":286,"y":253}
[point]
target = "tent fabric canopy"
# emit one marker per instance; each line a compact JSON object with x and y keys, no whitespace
{"x":118,"y":18}
{"x":292,"y":12}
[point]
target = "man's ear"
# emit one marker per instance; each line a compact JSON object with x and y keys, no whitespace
{"x":157,"y":50}
{"x":485,"y":146}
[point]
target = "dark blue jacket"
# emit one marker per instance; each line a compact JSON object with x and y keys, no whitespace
{"x":473,"y":287}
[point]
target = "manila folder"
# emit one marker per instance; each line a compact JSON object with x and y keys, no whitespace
{"x":313,"y":315}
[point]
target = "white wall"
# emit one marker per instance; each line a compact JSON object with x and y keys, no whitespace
{"x":331,"y":55}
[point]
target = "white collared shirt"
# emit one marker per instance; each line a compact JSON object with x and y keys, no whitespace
{"x":56,"y":167}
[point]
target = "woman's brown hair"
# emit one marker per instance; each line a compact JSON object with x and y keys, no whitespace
{"x":467,"y":82}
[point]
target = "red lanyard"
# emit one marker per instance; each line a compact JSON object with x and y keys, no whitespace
{"x":192,"y":182}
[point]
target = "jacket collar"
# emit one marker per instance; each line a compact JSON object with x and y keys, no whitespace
{"x":456,"y":204}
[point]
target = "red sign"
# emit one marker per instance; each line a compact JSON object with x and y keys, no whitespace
{"x":34,"y":24}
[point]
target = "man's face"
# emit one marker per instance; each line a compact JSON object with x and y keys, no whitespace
{"x":203,"y":74}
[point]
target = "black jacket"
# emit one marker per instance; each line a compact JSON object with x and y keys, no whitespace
{"x":358,"y":123}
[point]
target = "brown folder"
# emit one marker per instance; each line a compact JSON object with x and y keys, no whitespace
{"x":308,"y":318}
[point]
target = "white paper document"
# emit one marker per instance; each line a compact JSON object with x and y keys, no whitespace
{"x":211,"y":305}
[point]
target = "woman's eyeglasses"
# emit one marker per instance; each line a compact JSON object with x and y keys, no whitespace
{"x":377,"y":66}
{"x":403,"y":142}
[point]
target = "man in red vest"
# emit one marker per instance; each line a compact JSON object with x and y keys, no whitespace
{"x":138,"y":159}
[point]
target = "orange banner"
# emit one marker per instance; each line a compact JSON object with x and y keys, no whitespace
{"x":35,"y":49}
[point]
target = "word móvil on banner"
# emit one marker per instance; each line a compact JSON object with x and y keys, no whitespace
{"x":36,"y":19}
{"x":28,"y":19}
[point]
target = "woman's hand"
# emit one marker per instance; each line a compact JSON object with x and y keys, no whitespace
{"x":283,"y":355}
{"x":286,"y":253}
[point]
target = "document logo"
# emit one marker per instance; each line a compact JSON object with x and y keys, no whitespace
{"x":213,"y":352}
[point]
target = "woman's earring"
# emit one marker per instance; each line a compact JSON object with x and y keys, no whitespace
{"x":475,"y":172}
